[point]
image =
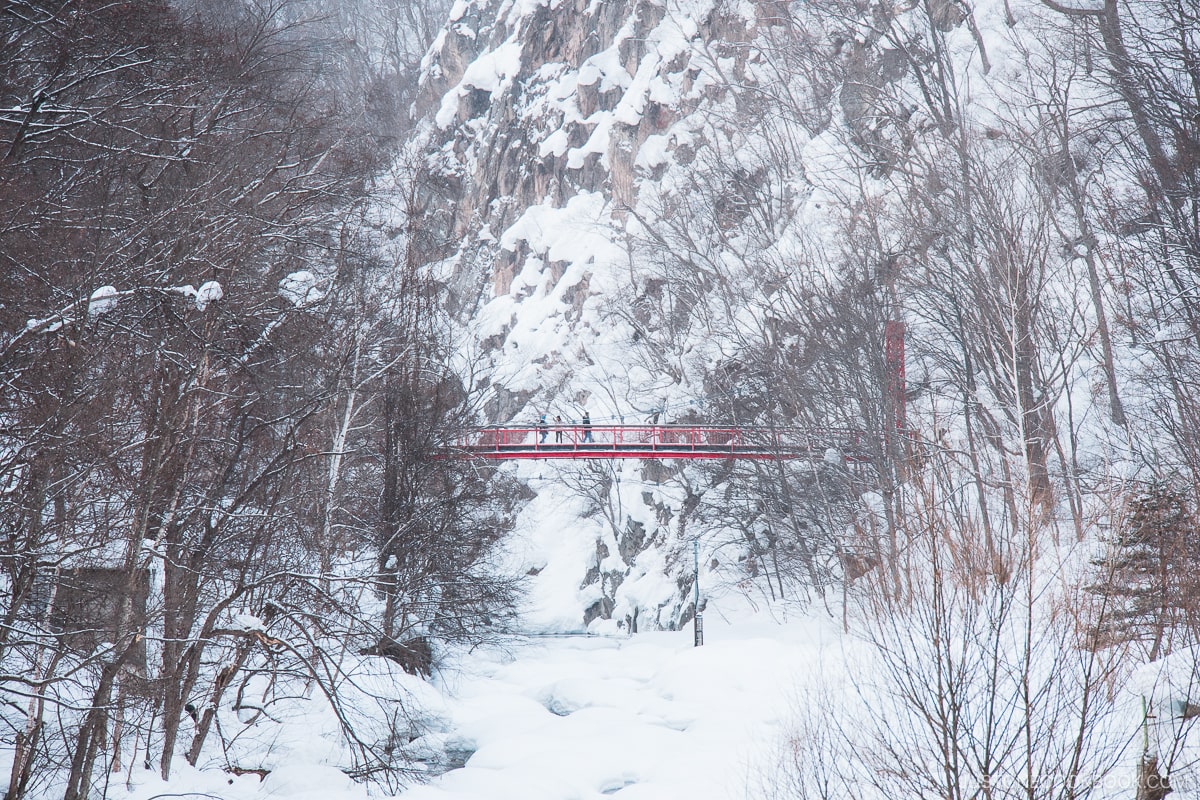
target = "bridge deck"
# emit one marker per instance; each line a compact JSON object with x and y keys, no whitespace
{"x":660,"y":441}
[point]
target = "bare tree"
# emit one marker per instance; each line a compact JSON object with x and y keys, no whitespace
{"x":173,"y":192}
{"x":975,"y":685}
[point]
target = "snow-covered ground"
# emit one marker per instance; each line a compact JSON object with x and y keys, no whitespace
{"x":648,"y":716}
{"x":564,"y":717}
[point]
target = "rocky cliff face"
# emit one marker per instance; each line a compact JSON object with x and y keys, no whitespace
{"x":561,"y":106}
{"x":544,"y":119}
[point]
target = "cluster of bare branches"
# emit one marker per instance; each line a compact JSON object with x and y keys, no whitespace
{"x":978,"y":682}
{"x":221,"y":399}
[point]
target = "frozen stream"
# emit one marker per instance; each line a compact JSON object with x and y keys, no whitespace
{"x":648,"y":716}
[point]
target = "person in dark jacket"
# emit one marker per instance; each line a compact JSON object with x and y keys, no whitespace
{"x":543,"y":429}
{"x":587,"y":427}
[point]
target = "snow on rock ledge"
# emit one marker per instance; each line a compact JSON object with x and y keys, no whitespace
{"x":544,"y":120}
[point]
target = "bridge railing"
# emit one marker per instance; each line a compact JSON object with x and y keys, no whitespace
{"x":656,"y":436}
{"x":673,"y":438}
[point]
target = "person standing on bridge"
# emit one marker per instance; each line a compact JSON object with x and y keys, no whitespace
{"x":587,"y":427}
{"x":558,"y":431}
{"x":543,"y":428}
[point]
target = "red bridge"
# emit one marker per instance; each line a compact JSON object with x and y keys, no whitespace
{"x":661,"y":441}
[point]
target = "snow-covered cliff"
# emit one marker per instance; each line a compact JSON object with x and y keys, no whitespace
{"x":545,"y":121}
